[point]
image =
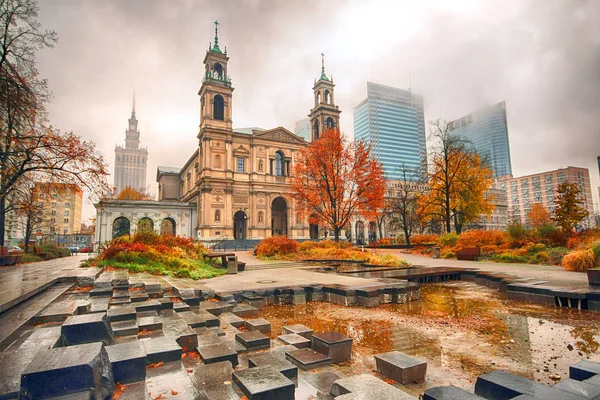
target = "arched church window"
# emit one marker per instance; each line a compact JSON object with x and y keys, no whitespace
{"x":260,"y":165}
{"x":261,"y":217}
{"x":330,"y":123}
{"x":218,"y":216}
{"x":279,"y":163}
{"x":316,"y":129}
{"x":318,"y":97}
{"x":219,"y":108}
{"x":217,"y":161}
{"x":218,"y":70}
{"x":327,"y":97}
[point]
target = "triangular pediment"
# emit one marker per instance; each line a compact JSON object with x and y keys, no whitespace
{"x":279,"y":134}
{"x":241,"y":150}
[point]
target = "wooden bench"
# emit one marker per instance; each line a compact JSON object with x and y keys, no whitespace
{"x":468,"y":254}
{"x":8,"y":258}
{"x":222,"y":256}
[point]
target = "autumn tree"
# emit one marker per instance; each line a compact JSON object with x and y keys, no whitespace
{"x":570,"y":208}
{"x":129,"y":193}
{"x":335,"y":179}
{"x":28,"y":145}
{"x":458,"y":181}
{"x":538,"y":216}
{"x":403,"y":204}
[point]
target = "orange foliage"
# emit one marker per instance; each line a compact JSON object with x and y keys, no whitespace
{"x":335,"y":179}
{"x":424,"y":238}
{"x":129,"y":193}
{"x":574,"y":243}
{"x":478,"y":238}
{"x":538,"y":216}
{"x":276,"y":245}
{"x":579,"y":260}
{"x":118,"y":392}
{"x":156,"y":365}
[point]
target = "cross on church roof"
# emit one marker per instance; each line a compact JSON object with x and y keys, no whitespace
{"x":323,"y":76}
{"x":216,"y":46}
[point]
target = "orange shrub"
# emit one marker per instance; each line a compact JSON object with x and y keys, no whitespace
{"x":382,"y":242}
{"x":579,"y":260}
{"x":489,"y":249}
{"x":478,"y":238}
{"x":574,"y":243}
{"x":422,"y":239}
{"x":276,"y":245}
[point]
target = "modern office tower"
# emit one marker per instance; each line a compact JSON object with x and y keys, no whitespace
{"x":487,"y":131}
{"x":131,"y":160}
{"x":302,"y":129}
{"x":541,"y":188}
{"x":391,"y":120}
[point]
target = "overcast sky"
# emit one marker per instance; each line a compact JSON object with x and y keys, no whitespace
{"x":541,"y":57}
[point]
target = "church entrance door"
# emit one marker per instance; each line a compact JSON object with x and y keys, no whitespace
{"x":279,"y":210}
{"x":239,"y":225}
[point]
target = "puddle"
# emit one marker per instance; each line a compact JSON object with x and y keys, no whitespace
{"x":461,"y":329}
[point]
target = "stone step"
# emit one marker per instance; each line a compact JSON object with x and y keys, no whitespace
{"x":401,"y":367}
{"x":161,"y":349}
{"x":218,"y":352}
{"x":87,"y":328}
{"x":128,"y":362}
{"x":367,"y":387}
{"x":583,"y":389}
{"x":297,"y":329}
{"x":282,"y":365}
{"x":295,"y":340}
{"x":307,"y":358}
{"x":264,"y":383}
{"x":253,"y":340}
{"x":584,"y":370}
{"x":449,"y":393}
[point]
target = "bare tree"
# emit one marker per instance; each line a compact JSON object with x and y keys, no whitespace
{"x":404,"y":206}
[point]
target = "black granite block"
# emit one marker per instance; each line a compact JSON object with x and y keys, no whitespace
{"x":12,"y":364}
{"x":128,"y":362}
{"x":336,"y":346}
{"x":163,"y":349}
{"x":230,"y":318}
{"x":165,"y":303}
{"x":121,"y":313}
{"x":307,"y":358}
{"x":67,"y":370}
{"x":244,"y":310}
{"x":137,"y":297}
{"x":282,"y":365}
{"x":179,"y":306}
{"x":584,"y":370}
{"x":295,"y":340}
{"x":263,"y":383}
{"x":100,"y":292}
{"x":148,"y":305}
{"x":498,"y":385}
{"x":401,"y":367}
{"x":151,"y":323}
{"x":87,"y":328}
{"x":215,"y":353}
{"x":298,"y":329}
{"x":322,"y":381}
{"x":583,"y":389}
{"x":449,"y":393}
{"x":367,"y":387}
{"x":253,"y":340}
{"x":258,"y":324}
{"x":192,"y":319}
{"x":124,"y":328}
{"x":209,"y":340}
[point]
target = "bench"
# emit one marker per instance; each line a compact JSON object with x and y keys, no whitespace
{"x":8,"y":258}
{"x":222,"y":256}
{"x":468,"y":254}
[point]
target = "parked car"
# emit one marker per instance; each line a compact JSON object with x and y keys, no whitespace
{"x":86,"y":249}
{"x":73,"y":249}
{"x":15,"y":250}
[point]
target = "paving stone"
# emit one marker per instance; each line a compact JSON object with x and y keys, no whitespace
{"x":297,"y":329}
{"x":184,"y":335}
{"x":180,"y":307}
{"x":138,"y":296}
{"x":295,"y":340}
{"x":244,"y":310}
{"x":87,"y":328}
{"x":128,"y":362}
{"x":230,"y":318}
{"x":282,"y":365}
{"x":58,"y":312}
{"x":163,"y":349}
{"x":208,"y":340}
{"x":121,"y":313}
{"x":583,"y":389}
{"x":401,"y":367}
{"x":211,"y":380}
{"x":215,"y":353}
{"x":258,"y":324}
{"x":216,"y":307}
{"x":192,"y":319}
{"x":322,"y":381}
{"x":124,"y":328}
{"x":211,"y":320}
{"x":151,"y":323}
{"x":367,"y":387}
{"x":253,"y":340}
{"x":120,"y":294}
{"x":254,"y":301}
{"x":42,"y":338}
{"x":264,"y":383}
{"x":207,"y":331}
{"x":165,"y":303}
{"x":148,"y":305}
{"x":584,"y":370}
{"x":121,"y":301}
{"x":307,"y":358}
{"x":68,"y":370}
{"x":99,"y":304}
{"x":171,"y":377}
{"x":12,"y":364}
{"x":499,"y":385}
{"x":335,"y":345}
{"x":594,"y":380}
{"x":449,"y":393}
{"x":101,"y":292}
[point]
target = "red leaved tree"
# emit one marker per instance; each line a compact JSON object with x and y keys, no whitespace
{"x":334,"y":179}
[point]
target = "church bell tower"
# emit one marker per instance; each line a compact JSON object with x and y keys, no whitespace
{"x":325,"y":114}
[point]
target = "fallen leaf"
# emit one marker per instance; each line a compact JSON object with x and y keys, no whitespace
{"x":119,"y":389}
{"x":174,"y":393}
{"x":156,"y":365}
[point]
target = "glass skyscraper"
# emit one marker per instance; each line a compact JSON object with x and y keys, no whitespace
{"x":487,"y":132}
{"x":391,"y":120}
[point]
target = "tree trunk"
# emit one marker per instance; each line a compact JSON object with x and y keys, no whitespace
{"x":380,"y":230}
{"x":336,"y":234}
{"x":28,"y":229}
{"x":407,"y":236}
{"x":2,"y":215}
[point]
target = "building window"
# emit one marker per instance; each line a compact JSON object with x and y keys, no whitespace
{"x":240,"y":164}
{"x":66,"y":220}
{"x":218,"y":216}
{"x":54,"y":196}
{"x":53,"y":204}
{"x":53,"y":220}
{"x":279,"y":163}
{"x":53,"y":212}
{"x":66,"y":213}
{"x":67,"y":204}
{"x":219,"y":108}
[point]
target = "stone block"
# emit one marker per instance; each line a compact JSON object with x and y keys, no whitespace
{"x":119,"y":302}
{"x":594,"y":380}
{"x":449,"y":393}
{"x":245,"y":310}
{"x":498,"y":385}
{"x":253,"y":340}
{"x":192,"y":319}
{"x":307,"y":358}
{"x":211,"y":320}
{"x":208,"y":340}
{"x":101,"y":292}
{"x":214,"y":380}
{"x":163,"y":349}
{"x":282,"y":365}
{"x":584,"y":370}
{"x":152,"y":323}
{"x":232,"y":319}
{"x":124,"y":328}
{"x":258,"y":324}
{"x":254,"y":300}
{"x":179,"y":306}
{"x":213,"y":329}
{"x":263,"y":383}
{"x":87,"y":328}
{"x":12,"y":364}
{"x":42,"y":338}
{"x":367,"y":387}
{"x":583,"y":389}
{"x":121,"y":313}
{"x":217,"y":307}
{"x":298,"y":329}
{"x":401,"y":367}
{"x":128,"y":362}
{"x":295,"y":340}
{"x":215,"y":353}
{"x":137,"y":297}
{"x":120,"y":294}
{"x":67,"y":370}
{"x":184,"y":335}
{"x":148,"y":305}
{"x":322,"y":381}
{"x":336,"y":346}
{"x":165,"y":303}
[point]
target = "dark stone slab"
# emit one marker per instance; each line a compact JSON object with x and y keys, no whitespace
{"x":192,"y":319}
{"x":148,"y":305}
{"x":118,"y":302}
{"x":68,"y":370}
{"x":307,"y":358}
{"x":322,"y":381}
{"x":58,"y":312}
{"x":151,"y":323}
{"x":100,"y":292}
{"x":335,"y":345}
{"x":120,"y":294}
{"x":42,"y":338}
{"x":165,"y":303}
{"x":128,"y":362}
{"x":258,"y":324}
{"x":12,"y":364}
{"x":254,"y":301}
{"x":178,"y":306}
{"x":124,"y":328}
{"x":499,"y":385}
{"x":282,"y":365}
{"x":138,"y":296}
{"x":208,"y":340}
{"x":215,"y":353}
{"x":245,"y":310}
{"x":594,"y":380}
{"x":217,"y":307}
{"x":449,"y":393}
{"x":298,"y":329}
{"x":584,"y":370}
{"x":214,"y":380}
{"x":163,"y":349}
{"x":230,"y":318}
{"x":184,"y":335}
{"x":85,"y":395}
{"x":211,"y":320}
{"x":367,"y":387}
{"x":253,"y":340}
{"x":87,"y":328}
{"x":207,"y":331}
{"x":264,"y":383}
{"x":295,"y":340}
{"x":401,"y":367}
{"x":583,"y":389}
{"x":121,"y":313}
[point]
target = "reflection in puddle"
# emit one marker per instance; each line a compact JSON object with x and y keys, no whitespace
{"x":461,"y":329}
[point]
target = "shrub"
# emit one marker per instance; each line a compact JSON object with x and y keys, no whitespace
{"x":422,"y":239}
{"x":478,"y":238}
{"x":535,"y":247}
{"x":579,"y":260}
{"x":509,"y":258}
{"x":448,"y":254}
{"x":448,"y":240}
{"x":489,"y":249}
{"x":595,"y":247}
{"x":540,"y":258}
{"x":276,"y":245}
{"x":516,"y":231}
{"x":574,"y":243}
